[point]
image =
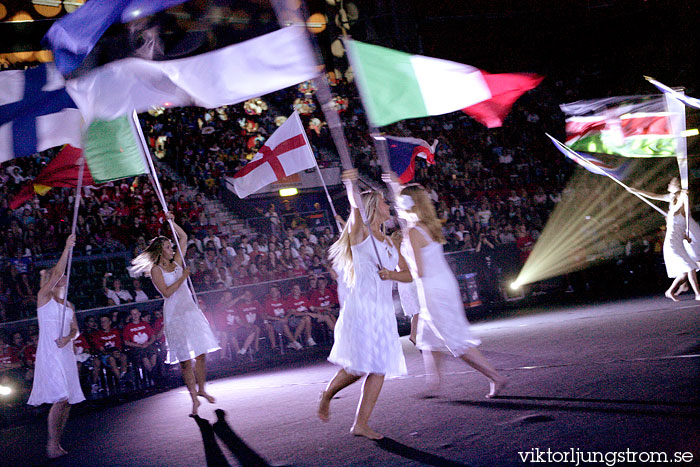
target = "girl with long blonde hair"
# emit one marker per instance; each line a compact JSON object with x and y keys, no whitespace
{"x":366,"y":336}
{"x":442,"y":322}
{"x":187,"y":332}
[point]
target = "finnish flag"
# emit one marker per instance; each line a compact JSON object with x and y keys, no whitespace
{"x":36,"y":112}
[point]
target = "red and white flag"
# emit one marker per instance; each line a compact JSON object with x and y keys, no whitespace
{"x":286,"y":152}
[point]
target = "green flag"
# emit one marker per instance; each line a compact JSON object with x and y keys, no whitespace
{"x":113,"y":151}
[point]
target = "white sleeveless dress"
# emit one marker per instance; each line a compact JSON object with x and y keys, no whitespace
{"x":442,"y":323}
{"x":56,"y":371}
{"x":366,"y":334}
{"x":408,"y":294}
{"x":187,"y":331}
{"x":679,"y":256}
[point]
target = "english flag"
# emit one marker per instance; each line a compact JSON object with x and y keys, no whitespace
{"x":286,"y":152}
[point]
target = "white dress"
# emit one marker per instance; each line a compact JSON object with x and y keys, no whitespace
{"x":442,"y":323}
{"x":366,"y":334}
{"x":677,"y":259}
{"x":187,"y":331}
{"x":408,"y":294}
{"x":56,"y":371}
{"x":693,"y":248}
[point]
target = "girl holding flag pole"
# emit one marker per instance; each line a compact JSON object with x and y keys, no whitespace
{"x":187,"y":331}
{"x":366,"y":336}
{"x":681,"y":262}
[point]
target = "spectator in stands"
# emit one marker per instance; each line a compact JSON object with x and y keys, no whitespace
{"x":316,"y":267}
{"x":297,"y":306}
{"x":224,"y":323}
{"x":115,"y":296}
{"x":26,"y":294}
{"x":139,"y":294}
{"x":276,"y":321}
{"x":248,"y":314}
{"x":10,"y":362}
{"x":138,"y":338}
{"x":324,"y":302}
{"x":84,"y":358}
{"x":107,"y":342}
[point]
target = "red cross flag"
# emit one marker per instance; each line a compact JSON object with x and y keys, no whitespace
{"x":286,"y":152}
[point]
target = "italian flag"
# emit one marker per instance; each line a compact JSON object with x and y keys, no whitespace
{"x":629,"y":126}
{"x":396,"y":86}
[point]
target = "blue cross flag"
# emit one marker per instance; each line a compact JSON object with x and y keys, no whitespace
{"x":36,"y":112}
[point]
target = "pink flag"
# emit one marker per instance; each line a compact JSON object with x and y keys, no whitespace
{"x":286,"y":152}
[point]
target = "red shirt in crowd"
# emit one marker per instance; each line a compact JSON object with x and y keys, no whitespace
{"x":300,"y":304}
{"x":247,"y":312}
{"x":109,"y":340}
{"x":157,"y":326}
{"x":138,"y":333}
{"x":81,"y":344}
{"x":325,"y":299}
{"x":29,"y":354}
{"x":8,"y":354}
{"x":274,"y":307}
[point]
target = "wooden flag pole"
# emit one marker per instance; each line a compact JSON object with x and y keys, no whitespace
{"x":161,"y":197}
{"x":76,"y":208}
{"x":285,"y":17}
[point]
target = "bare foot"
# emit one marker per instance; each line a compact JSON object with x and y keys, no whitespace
{"x":673,"y":297}
{"x":324,"y":407}
{"x":697,"y":297}
{"x":208,"y":397}
{"x":365,"y":431}
{"x":412,"y":338}
{"x":55,"y":451}
{"x":195,"y":406}
{"x":497,"y":386}
{"x":683,"y":288}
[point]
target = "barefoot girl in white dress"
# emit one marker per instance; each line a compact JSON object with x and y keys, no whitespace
{"x":366,"y":335}
{"x":442,"y":324}
{"x":56,"y":373}
{"x":187,"y":332}
{"x":680,"y":263}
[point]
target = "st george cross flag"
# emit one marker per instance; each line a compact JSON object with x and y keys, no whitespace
{"x":403,"y":153}
{"x":395,"y":85}
{"x":592,"y":164}
{"x":36,"y":112}
{"x":286,"y":152}
{"x":630,"y":126}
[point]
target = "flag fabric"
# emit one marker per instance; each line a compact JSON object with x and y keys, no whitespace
{"x":396,"y":85}
{"x":226,"y":76}
{"x":403,"y":153}
{"x":630,"y":126}
{"x":113,"y":151}
{"x":36,"y":112}
{"x":286,"y":152}
{"x":592,"y":164}
{"x":687,"y":100}
{"x":62,"y":171}
{"x":72,"y":37}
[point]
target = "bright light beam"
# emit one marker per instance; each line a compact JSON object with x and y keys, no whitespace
{"x":594,"y":221}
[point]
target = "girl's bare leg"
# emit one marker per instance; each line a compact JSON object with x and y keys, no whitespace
{"x":188,"y":377}
{"x":200,"y":376}
{"x":474,"y":358}
{"x":670,"y":293}
{"x":57,"y":421}
{"x":370,"y":392}
{"x":342,"y":379}
{"x":433,"y":372}
{"x":693,"y":279}
{"x":414,"y":329}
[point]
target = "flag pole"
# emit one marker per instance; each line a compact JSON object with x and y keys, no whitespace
{"x":597,"y":169}
{"x":159,"y":193}
{"x":323,"y":182}
{"x":76,"y":208}
{"x":323,"y":93}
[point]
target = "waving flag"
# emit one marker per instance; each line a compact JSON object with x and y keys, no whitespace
{"x":72,"y":37}
{"x":396,"y":85}
{"x":226,"y":76}
{"x":286,"y":152}
{"x":592,"y":164}
{"x":403,"y":153}
{"x":36,"y":112}
{"x":62,"y":171}
{"x":687,"y":100}
{"x":630,"y":126}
